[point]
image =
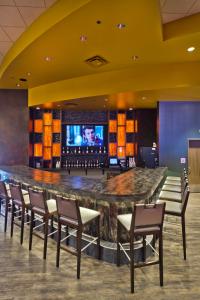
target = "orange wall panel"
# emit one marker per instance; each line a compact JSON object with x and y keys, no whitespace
{"x":47,"y":136}
{"x":121,"y":119}
{"x":37,"y":150}
{"x":47,"y":117}
{"x":56,"y":126}
{"x":112,"y":125}
{"x":38,"y":126}
{"x":56,"y":150}
{"x":129,"y":126}
{"x":121,"y":152}
{"x":129,"y":149}
{"x":136,"y":126}
{"x":112,"y":149}
{"x":121,"y":136}
{"x":47,"y":153}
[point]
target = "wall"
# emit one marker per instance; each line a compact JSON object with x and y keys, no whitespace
{"x":13,"y":127}
{"x":178,"y":121}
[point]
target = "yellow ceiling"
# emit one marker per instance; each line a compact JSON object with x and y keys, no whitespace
{"x":164,"y":69}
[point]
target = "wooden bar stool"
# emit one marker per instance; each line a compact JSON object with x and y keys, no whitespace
{"x":73,"y":216}
{"x":23,"y":204}
{"x":5,"y":199}
{"x":176,"y":209}
{"x":44,"y":208}
{"x":146,"y":219}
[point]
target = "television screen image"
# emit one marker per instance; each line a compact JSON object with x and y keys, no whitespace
{"x":85,"y":135}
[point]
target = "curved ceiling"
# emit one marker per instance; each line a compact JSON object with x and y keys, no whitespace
{"x":146,"y":60}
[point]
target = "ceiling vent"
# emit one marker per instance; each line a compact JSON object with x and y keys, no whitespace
{"x":96,"y":61}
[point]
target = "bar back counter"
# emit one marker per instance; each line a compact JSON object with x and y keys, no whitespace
{"x":109,"y":196}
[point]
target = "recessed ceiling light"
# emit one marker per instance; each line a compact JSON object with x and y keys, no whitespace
{"x":47,"y":58}
{"x":83,"y":38}
{"x":130,"y":108}
{"x":106,"y":99}
{"x":135,"y":57}
{"x":144,"y":98}
{"x":58,"y":105}
{"x":191,"y":49}
{"x":121,"y":25}
{"x":29,"y":74}
{"x":38,"y":107}
{"x":18,"y":84}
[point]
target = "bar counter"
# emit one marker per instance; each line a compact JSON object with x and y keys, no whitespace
{"x":110,"y":196}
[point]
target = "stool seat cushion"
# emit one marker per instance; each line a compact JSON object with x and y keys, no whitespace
{"x":171,"y":188}
{"x":174,"y":178}
{"x":26,"y":199}
{"x":125,"y":220}
{"x":173,"y":196}
{"x":172,"y":207}
{"x":52,"y":207}
{"x":88,"y":214}
{"x":173,"y":182}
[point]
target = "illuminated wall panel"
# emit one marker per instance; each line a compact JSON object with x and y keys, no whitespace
{"x":56,"y":150}
{"x":47,"y":117}
{"x":38,"y":126}
{"x":121,"y":136}
{"x":121,"y":152}
{"x":56,"y":126}
{"x":112,"y":125}
{"x":47,"y":153}
{"x":121,"y":119}
{"x":37,"y":150}
{"x":112,"y":149}
{"x":129,"y":126}
{"x":47,"y":136}
{"x":129,"y":149}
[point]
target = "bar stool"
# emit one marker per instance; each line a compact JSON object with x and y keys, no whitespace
{"x":178,"y":210}
{"x":70,"y":214}
{"x":44,"y":208}
{"x":23,"y":204}
{"x":146,"y":219}
{"x":5,"y":199}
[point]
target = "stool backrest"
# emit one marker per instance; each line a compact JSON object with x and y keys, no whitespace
{"x":3,"y":190}
{"x":148,"y":215}
{"x":69,"y":210}
{"x":185,"y":198}
{"x":38,"y":201}
{"x":16,"y":193}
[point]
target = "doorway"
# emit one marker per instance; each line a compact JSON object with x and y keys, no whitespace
{"x":194,"y":164}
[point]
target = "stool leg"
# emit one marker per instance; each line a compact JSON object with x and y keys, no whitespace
{"x":31,"y":230}
{"x":12,"y":219}
{"x":58,"y":245}
{"x":6,"y":215}
{"x":45,"y":237}
{"x":161,"y":258}
{"x":98,"y":240}
{"x":183,"y":236}
{"x":118,"y":240}
{"x":22,"y":225}
{"x":66,"y":234}
{"x":132,"y":264}
{"x":144,"y":248}
{"x":78,"y":247}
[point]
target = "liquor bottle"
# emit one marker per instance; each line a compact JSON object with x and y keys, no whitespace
{"x":100,"y":150}
{"x":87,"y":150}
{"x":67,"y":150}
{"x":79,"y":150}
{"x":104,"y":149}
{"x":63,"y":150}
{"x":75,"y":150}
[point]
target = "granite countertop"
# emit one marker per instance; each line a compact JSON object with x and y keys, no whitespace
{"x":135,"y":184}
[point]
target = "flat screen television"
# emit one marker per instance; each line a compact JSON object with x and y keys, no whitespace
{"x":84,"y":135}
